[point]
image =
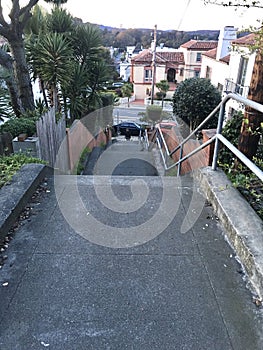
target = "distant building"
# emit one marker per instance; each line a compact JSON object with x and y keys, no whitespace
{"x":169,"y":66}
{"x":173,"y":65}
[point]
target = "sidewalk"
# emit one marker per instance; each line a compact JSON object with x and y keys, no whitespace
{"x":123,"y":262}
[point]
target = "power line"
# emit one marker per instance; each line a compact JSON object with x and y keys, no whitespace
{"x":183,"y":15}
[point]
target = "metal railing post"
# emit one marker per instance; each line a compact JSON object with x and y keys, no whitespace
{"x":179,"y":162}
{"x":218,"y":131}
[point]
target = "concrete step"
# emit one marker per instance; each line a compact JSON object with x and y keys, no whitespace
{"x":126,"y":158}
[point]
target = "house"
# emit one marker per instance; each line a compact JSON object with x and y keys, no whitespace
{"x":169,"y":66}
{"x":173,"y":65}
{"x":230,"y":66}
{"x":192,"y":51}
{"x":228,"y":63}
{"x":125,"y":65}
{"x":215,"y":62}
{"x":241,"y":66}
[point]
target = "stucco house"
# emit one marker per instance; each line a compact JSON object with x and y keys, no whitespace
{"x":215,"y":62}
{"x":192,"y":51}
{"x":169,"y":66}
{"x":230,"y":66}
{"x":172,"y":65}
{"x":240,"y":71}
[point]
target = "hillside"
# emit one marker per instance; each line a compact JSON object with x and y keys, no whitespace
{"x":123,"y":37}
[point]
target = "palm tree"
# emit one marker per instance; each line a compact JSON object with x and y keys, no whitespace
{"x":77,"y":91}
{"x":86,"y":40}
{"x":13,"y":31}
{"x":69,"y":61}
{"x":53,"y":55}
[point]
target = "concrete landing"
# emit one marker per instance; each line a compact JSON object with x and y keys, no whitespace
{"x":113,"y":262}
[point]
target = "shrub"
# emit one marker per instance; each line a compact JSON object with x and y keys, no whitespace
{"x":154,"y":113}
{"x":231,"y":132}
{"x":16,"y":126}
{"x":9,"y":165}
{"x":194,"y":99}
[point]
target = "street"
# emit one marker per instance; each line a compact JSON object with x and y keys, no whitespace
{"x":123,"y":114}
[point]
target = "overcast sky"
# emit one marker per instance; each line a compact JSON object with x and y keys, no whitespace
{"x":169,"y":14}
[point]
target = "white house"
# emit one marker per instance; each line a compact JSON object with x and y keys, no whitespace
{"x":240,"y":70}
{"x":215,"y":62}
{"x":230,"y":66}
{"x":192,"y":51}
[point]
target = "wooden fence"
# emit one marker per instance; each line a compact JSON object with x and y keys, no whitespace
{"x":52,"y":136}
{"x":62,"y":147}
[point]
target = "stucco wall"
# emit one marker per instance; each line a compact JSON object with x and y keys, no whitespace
{"x":79,"y":137}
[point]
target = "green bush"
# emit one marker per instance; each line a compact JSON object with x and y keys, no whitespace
{"x":16,"y":126}
{"x":154,"y":113}
{"x":82,"y":159}
{"x":9,"y":165}
{"x":231,"y":132}
{"x":240,"y":176}
{"x":194,"y":99}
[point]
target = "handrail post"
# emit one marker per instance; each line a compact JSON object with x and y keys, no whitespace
{"x":218,"y":131}
{"x":179,"y":162}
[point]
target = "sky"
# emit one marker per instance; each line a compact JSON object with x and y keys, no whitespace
{"x":170,"y":14}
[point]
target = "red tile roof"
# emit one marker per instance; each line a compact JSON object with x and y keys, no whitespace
{"x":225,"y":59}
{"x":212,"y":54}
{"x":200,"y":45}
{"x":161,"y":57}
{"x":245,"y":40}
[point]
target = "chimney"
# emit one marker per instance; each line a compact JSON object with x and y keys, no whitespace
{"x":227,"y":34}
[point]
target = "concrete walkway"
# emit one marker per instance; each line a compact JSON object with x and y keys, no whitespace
{"x":124,"y":262}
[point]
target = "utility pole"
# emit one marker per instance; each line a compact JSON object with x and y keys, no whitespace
{"x":153,"y":62}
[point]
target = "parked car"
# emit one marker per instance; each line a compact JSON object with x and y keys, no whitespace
{"x":131,"y":128}
{"x":117,"y":85}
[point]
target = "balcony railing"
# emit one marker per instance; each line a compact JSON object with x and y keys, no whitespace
{"x":231,"y":87}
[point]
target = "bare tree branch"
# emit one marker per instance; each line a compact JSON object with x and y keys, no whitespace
{"x":236,"y":3}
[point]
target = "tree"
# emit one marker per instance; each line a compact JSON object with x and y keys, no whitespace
{"x":13,"y":31}
{"x":53,"y":54}
{"x":154,"y":113}
{"x":252,"y":122}
{"x":57,"y":2}
{"x":163,"y":87}
{"x":194,"y":99}
{"x":127,"y":91}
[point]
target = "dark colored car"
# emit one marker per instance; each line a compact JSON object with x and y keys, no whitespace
{"x":131,"y":128}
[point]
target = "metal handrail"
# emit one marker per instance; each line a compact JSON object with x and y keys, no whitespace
{"x":217,"y":138}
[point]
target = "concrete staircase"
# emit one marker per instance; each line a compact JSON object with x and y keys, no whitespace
{"x":122,"y":157}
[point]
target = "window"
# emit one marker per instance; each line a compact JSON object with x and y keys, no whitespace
{"x":196,"y":73}
{"x":148,"y":75}
{"x":208,"y":72}
{"x":242,"y":71}
{"x":181,"y":72}
{"x":198,"y":57}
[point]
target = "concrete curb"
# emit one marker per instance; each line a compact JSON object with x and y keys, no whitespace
{"x":243,"y":226}
{"x":15,"y":196}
